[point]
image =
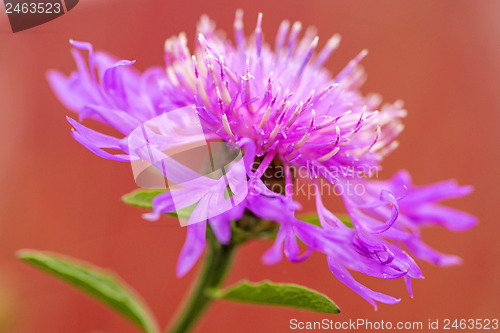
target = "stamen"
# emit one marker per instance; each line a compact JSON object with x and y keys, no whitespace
{"x":269,"y":91}
{"x":326,"y":91}
{"x":398,"y":129}
{"x":219,"y":99}
{"x":308,"y":103}
{"x":337,"y":131}
{"x":295,"y":158}
{"x":295,"y":115}
{"x":233,"y":103}
{"x":281,"y":36}
{"x":225,"y":93}
{"x":329,"y":155}
{"x":265,"y":118}
{"x":203,"y":42}
{"x":376,"y":138}
{"x":282,"y":111}
{"x":360,"y":121}
{"x":184,"y":51}
{"x":170,"y":69}
{"x":227,"y":128}
{"x":238,"y":31}
{"x":168,"y":52}
{"x":276,"y":96}
{"x":282,"y":104}
{"x":221,"y":66}
{"x":373,"y":114}
{"x":302,"y":141}
{"x":297,"y":26}
{"x":211,"y":72}
{"x":348,"y":112}
{"x":231,"y":75}
{"x":308,"y":56}
{"x":351,"y":65}
{"x":273,"y":134}
{"x":327,"y":50}
{"x":202,"y":92}
{"x":195,"y":66}
{"x":391,"y":147}
{"x":313,"y":118}
{"x":258,"y":35}
{"x":325,"y":124}
{"x":306,"y":40}
{"x":246,"y":82}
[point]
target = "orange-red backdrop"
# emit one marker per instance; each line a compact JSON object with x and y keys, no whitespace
{"x":441,"y":57}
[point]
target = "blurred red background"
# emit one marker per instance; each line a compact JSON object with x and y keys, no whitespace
{"x":441,"y":57}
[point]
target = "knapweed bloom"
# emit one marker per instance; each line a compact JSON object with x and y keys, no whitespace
{"x":280,"y":107}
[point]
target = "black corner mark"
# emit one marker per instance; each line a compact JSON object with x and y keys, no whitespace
{"x":70,"y":4}
{"x":26,"y":14}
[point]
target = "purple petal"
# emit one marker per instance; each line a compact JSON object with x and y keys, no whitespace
{"x":193,"y":247}
{"x":119,"y":119}
{"x":221,"y":229}
{"x":408,"y":285}
{"x":64,"y":88}
{"x":113,"y":83}
{"x":98,"y":151}
{"x":162,"y":203}
{"x":424,"y":252}
{"x":95,"y":138}
{"x":221,"y":224}
{"x":275,"y":252}
{"x":450,"y":218}
{"x":345,"y":277}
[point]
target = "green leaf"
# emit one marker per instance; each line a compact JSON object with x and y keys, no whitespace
{"x":290,"y":295}
{"x":314,"y":219}
{"x":96,"y":282}
{"x":141,"y":198}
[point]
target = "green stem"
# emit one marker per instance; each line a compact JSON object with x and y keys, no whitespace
{"x":214,"y":271}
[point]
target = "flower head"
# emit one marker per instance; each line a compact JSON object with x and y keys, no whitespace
{"x":280,"y":105}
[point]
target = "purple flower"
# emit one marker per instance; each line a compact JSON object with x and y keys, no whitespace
{"x":281,"y":107}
